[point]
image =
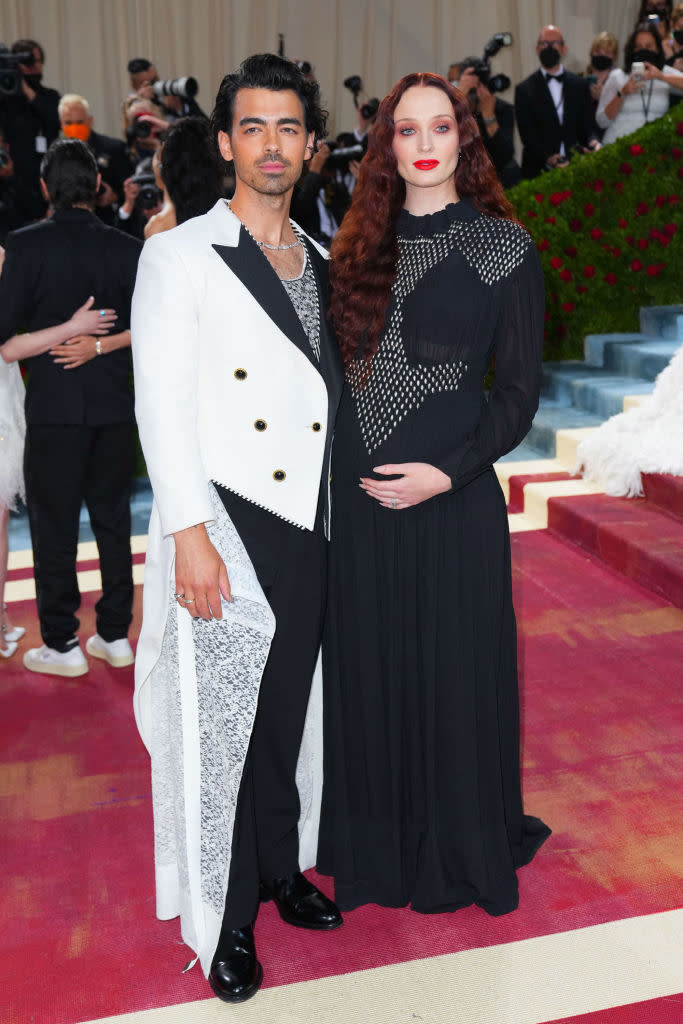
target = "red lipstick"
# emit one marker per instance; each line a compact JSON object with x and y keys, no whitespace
{"x":426,"y":165}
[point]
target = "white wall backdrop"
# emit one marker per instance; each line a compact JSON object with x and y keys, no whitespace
{"x":89,"y":42}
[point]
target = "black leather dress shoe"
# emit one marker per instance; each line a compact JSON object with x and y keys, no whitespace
{"x":301,"y":904}
{"x":235,"y":973}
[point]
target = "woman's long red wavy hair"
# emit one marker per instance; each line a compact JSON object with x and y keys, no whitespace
{"x":364,"y":253}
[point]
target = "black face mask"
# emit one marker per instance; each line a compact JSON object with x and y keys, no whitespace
{"x":601,"y":63}
{"x":678,"y":36}
{"x":648,"y":57}
{"x":33,"y":81}
{"x":549,"y":57}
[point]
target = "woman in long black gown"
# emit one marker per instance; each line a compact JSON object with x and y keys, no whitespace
{"x":431,"y":279}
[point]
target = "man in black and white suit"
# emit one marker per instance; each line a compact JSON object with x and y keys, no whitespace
{"x":237,"y":379}
{"x":553,"y":109}
{"x":79,"y":409}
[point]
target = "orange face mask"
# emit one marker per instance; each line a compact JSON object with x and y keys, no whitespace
{"x":77,"y":131}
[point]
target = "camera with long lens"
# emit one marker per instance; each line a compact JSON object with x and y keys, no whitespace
{"x":482,"y":67}
{"x":10,"y":75}
{"x":150,"y":194}
{"x":342,"y":155}
{"x":187,"y":88}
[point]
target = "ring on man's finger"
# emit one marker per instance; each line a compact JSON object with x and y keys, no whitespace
{"x":188,"y":600}
{"x":179,"y":596}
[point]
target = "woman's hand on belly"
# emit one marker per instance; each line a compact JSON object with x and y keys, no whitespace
{"x":418,"y":482}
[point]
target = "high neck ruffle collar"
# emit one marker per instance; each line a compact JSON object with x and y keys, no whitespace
{"x":409,"y":226}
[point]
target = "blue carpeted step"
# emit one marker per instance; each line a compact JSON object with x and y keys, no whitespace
{"x":662,"y":322}
{"x":590,"y":388}
{"x":643,"y":359}
{"x":604,"y":395}
{"x":595,"y":346}
{"x":524,"y":452}
{"x":553,"y":416}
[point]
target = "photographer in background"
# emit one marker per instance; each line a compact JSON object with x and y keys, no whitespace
{"x":187,"y":172}
{"x":30,"y":122}
{"x":174,"y":97}
{"x":641,"y":92}
{"x":143,"y":127}
{"x":676,"y":59}
{"x":142,"y":200}
{"x":323,"y":194}
{"x":554,"y":109}
{"x":494,"y":116}
{"x":113,"y":161}
{"x":659,"y":14}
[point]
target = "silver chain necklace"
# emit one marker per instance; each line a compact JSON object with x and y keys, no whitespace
{"x":267,"y":245}
{"x":276,"y":248}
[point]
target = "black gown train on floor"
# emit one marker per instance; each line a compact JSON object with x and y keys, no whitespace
{"x":422,"y":802}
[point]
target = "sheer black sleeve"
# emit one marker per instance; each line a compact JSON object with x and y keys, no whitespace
{"x":513,"y":400}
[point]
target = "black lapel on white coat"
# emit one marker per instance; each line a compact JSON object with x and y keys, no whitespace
{"x":252,"y":268}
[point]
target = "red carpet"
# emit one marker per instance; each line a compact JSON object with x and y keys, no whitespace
{"x":654,"y":1011}
{"x":600,"y":661}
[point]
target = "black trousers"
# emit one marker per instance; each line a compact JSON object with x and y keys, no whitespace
{"x":291,"y":565}
{"x":63,"y":466}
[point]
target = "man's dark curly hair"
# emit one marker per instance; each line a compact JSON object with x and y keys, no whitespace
{"x":267,"y":71}
{"x":190,"y":169}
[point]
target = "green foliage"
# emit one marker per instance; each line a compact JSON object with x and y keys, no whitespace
{"x":607,"y":232}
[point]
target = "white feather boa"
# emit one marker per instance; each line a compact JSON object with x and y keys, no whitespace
{"x":646,"y":439}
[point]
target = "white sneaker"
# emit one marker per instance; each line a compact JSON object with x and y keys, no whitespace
{"x":56,"y":663}
{"x":118,"y":653}
{"x":13,"y":634}
{"x":8,"y":650}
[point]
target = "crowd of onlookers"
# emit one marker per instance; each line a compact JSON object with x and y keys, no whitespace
{"x":556,"y":113}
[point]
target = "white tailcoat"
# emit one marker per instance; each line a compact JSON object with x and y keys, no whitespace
{"x":212,"y":367}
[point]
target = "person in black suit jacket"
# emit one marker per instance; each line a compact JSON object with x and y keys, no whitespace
{"x":553,"y":108}
{"x":111,"y":154}
{"x":79,"y":409}
{"x":495,"y":119}
{"x":30,"y":123}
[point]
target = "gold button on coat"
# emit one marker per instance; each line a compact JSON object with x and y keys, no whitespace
{"x":316,"y":426}
{"x":279,"y":474}
{"x":240,"y":374}
{"x":260,"y":424}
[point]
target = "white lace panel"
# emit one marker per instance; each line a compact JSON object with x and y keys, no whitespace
{"x":229,"y":656}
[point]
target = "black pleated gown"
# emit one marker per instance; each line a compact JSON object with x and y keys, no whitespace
{"x":421,"y":802}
